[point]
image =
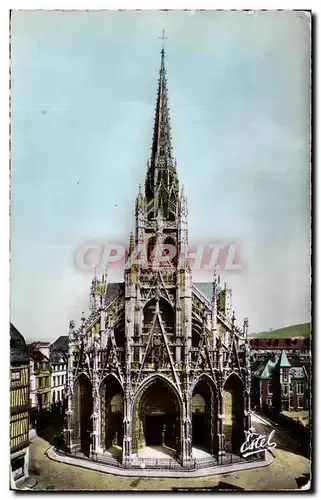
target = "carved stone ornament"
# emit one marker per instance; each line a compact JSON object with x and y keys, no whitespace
{"x":158,"y":353}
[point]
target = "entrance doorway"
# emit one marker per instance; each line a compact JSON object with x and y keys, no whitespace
{"x":154,"y":430}
{"x":233,"y":413}
{"x":111,"y":398}
{"x":156,"y":417}
{"x":83,"y":413}
{"x":199,"y":437}
{"x":203,"y":415}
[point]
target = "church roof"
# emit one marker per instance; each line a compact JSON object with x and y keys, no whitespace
{"x":18,"y":347}
{"x":206,"y":288}
{"x":113,"y":289}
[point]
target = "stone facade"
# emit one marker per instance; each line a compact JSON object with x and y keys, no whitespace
{"x":156,"y":362}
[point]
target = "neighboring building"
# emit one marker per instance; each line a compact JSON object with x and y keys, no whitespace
{"x":157,"y":362}
{"x":294,"y":340}
{"x":40,"y":381}
{"x":19,"y":406}
{"x":58,"y":361}
{"x":43,"y":347}
{"x":278,"y":386}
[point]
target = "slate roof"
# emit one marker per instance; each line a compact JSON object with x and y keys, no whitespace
{"x":36,"y":355}
{"x":61,"y":344}
{"x":113,"y":289}
{"x":265,"y":370}
{"x":19,"y":353}
{"x":39,"y":343}
{"x":206,"y":288}
{"x":283,"y":361}
{"x":255,"y":365}
{"x":57,"y":356}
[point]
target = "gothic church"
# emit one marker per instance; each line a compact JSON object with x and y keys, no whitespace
{"x":157,"y":363}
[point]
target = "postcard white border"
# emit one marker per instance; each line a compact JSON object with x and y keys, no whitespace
{"x":5,"y":6}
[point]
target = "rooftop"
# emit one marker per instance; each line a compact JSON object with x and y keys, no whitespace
{"x":36,"y":355}
{"x":266,"y":369}
{"x":18,"y":347}
{"x":61,"y":344}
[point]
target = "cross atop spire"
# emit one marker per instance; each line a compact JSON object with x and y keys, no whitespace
{"x":163,"y":37}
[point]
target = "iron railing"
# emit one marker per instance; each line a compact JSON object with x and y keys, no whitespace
{"x":112,"y":460}
{"x":155,"y":463}
{"x":164,"y":463}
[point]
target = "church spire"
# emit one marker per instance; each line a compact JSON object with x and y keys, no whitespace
{"x":161,"y":175}
{"x":161,"y":146}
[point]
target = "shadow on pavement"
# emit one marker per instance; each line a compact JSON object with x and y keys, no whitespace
{"x":50,"y":431}
{"x":221,"y":486}
{"x":286,"y":438}
{"x":303,"y":480}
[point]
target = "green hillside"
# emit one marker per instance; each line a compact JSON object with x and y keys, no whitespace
{"x":293,"y":331}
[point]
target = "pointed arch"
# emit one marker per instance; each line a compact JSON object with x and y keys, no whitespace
{"x":170,"y":240}
{"x":80,"y":375}
{"x":111,"y":375}
{"x":204,"y":409}
{"x":111,"y":393}
{"x":157,"y":413}
{"x":232,"y":375}
{"x":83,"y":410}
{"x":208,"y":379}
{"x":162,"y":299}
{"x":155,"y":376}
{"x":233,"y":404}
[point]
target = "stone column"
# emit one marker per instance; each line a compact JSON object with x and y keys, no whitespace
{"x":95,"y":443}
{"x":74,"y":417}
{"x":69,"y":416}
{"x":186,"y":433}
{"x":127,"y":441}
{"x":68,"y":430}
{"x":247,"y":402}
{"x":213,"y":422}
{"x":220,"y":437}
{"x":247,"y":414}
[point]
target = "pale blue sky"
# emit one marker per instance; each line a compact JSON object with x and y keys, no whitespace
{"x":83,"y":99}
